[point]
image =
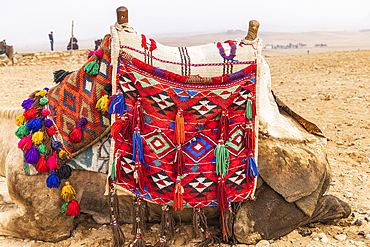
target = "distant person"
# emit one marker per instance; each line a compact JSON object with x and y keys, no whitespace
{"x":51,"y":37}
{"x":308,"y":51}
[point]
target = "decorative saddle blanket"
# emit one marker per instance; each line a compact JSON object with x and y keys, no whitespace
{"x":189,"y":136}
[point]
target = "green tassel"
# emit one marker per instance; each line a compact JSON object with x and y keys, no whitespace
{"x":22,"y":131}
{"x":113,"y":172}
{"x":92,"y":68}
{"x":42,"y":149}
{"x":222,"y":159}
{"x":65,"y":208}
{"x":44,"y":101}
{"x":26,"y":168}
{"x":248,"y":110}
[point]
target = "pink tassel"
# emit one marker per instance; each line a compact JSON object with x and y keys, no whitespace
{"x":52,"y":162}
{"x":25,"y":143}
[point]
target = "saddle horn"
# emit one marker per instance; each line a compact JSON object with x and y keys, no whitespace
{"x":253,"y":30}
{"x":122,"y":15}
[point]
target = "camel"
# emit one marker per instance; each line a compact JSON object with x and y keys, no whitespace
{"x":8,"y":50}
{"x":288,"y":193}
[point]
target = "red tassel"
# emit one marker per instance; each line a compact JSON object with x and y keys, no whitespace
{"x":153,"y":45}
{"x":138,"y":116}
{"x":221,"y":194}
{"x":249,"y":138}
{"x":121,"y":126}
{"x":178,"y":203}
{"x":223,"y":126}
{"x":76,"y":135}
{"x":51,"y":131}
{"x":30,"y":114}
{"x":41,"y":165}
{"x":52,"y":162}
{"x":73,"y":208}
{"x":143,"y":42}
{"x":179,"y":162}
{"x":139,"y":176}
{"x":179,"y":134}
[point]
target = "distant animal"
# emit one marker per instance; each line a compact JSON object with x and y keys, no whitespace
{"x":7,"y":50}
{"x":98,"y":43}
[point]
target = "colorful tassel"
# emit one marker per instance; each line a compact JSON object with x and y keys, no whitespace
{"x":179,"y":134}
{"x":113,"y":171}
{"x":137,"y":144}
{"x":48,"y":123}
{"x":53,"y":181}
{"x":22,"y":131}
{"x":52,"y":162}
{"x":65,"y":171}
{"x":121,"y":126}
{"x":117,"y":104}
{"x":34,"y":124}
{"x":37,"y":137}
{"x":50,"y":131}
{"x":248,"y":110}
{"x":73,"y":208}
{"x":137,"y":116}
{"x":56,"y":145}
{"x":68,"y":192}
{"x":153,"y":45}
{"x":32,"y":156}
{"x":222,"y":194}
{"x":63,"y":155}
{"x":44,"y":101}
{"x":26,"y":104}
{"x":222,"y":159}
{"x":20,"y":120}
{"x":41,"y":165}
{"x":59,"y":75}
{"x":102,"y":104}
{"x":42,"y":149}
{"x":45,"y":112}
{"x":30,"y":114}
{"x":76,"y":134}
{"x":42,"y":93}
{"x":178,"y":162}
{"x":252,"y":170}
{"x":178,"y":203}
{"x":92,"y":68}
{"x":223,"y":126}
{"x":143,"y":42}
{"x":99,"y":53}
{"x":25,"y":143}
{"x":249,"y":138}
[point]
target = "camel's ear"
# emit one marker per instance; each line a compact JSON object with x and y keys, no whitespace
{"x":122,"y":15}
{"x":253,"y":30}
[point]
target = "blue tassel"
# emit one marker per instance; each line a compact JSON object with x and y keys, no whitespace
{"x":53,"y":180}
{"x":118,"y":105}
{"x":32,"y":156}
{"x":34,"y":125}
{"x":137,"y":144}
{"x":252,"y":170}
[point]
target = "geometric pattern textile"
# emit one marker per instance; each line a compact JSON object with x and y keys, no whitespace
{"x":202,"y":103}
{"x":76,"y":96}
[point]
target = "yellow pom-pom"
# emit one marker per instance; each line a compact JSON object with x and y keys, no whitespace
{"x":102,"y":104}
{"x":42,"y":93}
{"x":20,"y":120}
{"x":63,"y":155}
{"x":68,"y":192}
{"x":37,"y":138}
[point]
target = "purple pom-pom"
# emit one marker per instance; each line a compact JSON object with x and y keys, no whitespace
{"x":82,"y":122}
{"x":48,"y":123}
{"x":34,"y":124}
{"x":56,"y":145}
{"x":26,"y":104}
{"x":32,"y":156}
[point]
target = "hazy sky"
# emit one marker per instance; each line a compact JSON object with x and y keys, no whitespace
{"x":30,"y":21}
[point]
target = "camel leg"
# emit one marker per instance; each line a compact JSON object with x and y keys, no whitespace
{"x":270,"y":216}
{"x":38,"y":215}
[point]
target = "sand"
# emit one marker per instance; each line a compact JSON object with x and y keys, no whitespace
{"x":331,"y":89}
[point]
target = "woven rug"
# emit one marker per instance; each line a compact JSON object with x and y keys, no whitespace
{"x":76,"y":97}
{"x":203,"y":83}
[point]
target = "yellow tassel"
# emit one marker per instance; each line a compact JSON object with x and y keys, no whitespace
{"x":102,"y":104}
{"x":68,"y":192}
{"x":37,"y":138}
{"x":63,"y":155}
{"x":20,"y":120}
{"x":42,"y":93}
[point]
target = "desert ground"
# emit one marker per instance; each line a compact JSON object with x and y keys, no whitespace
{"x":331,"y":89}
